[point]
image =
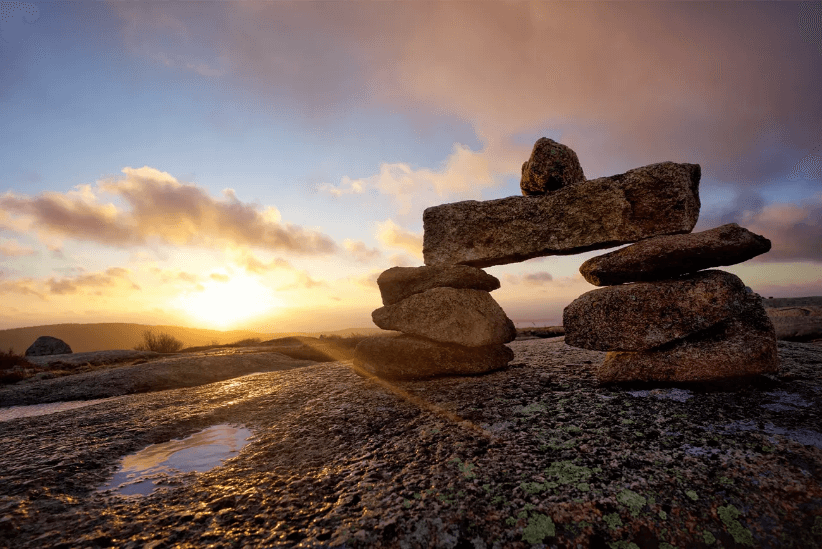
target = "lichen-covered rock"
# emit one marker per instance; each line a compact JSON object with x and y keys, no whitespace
{"x":552,"y":166}
{"x":738,"y":347}
{"x":643,"y":315}
{"x":408,"y":357}
{"x":668,"y":256}
{"x":397,"y":283}
{"x":465,"y":317}
{"x":47,"y":345}
{"x":600,"y":213}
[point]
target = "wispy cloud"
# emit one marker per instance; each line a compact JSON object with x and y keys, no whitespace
{"x":392,"y":235}
{"x":164,"y":210}
{"x":11,"y":248}
{"x":89,"y":282}
{"x":359,"y":251}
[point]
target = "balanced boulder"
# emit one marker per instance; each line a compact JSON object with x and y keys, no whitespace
{"x":47,"y":345}
{"x":397,"y":283}
{"x":643,"y":315}
{"x":668,"y":256}
{"x":738,"y":347}
{"x":407,"y":357}
{"x":552,"y":166}
{"x":600,"y":213}
{"x":466,"y":317}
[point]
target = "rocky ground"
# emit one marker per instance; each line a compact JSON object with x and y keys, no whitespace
{"x":537,"y":454}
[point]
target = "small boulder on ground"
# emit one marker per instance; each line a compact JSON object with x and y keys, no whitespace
{"x":644,"y":315}
{"x":738,"y":347}
{"x":407,"y":357}
{"x":466,"y":317}
{"x":599,"y":213}
{"x":47,"y":345}
{"x":397,"y":283}
{"x":668,"y":256}
{"x":552,"y":166}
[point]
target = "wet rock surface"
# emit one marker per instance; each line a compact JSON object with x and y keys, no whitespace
{"x":141,"y":376}
{"x":535,"y":453}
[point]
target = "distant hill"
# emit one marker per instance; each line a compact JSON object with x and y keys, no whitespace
{"x":109,"y":336}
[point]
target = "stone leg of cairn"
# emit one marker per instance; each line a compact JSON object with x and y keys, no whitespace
{"x":450,"y":322}
{"x":664,"y":319}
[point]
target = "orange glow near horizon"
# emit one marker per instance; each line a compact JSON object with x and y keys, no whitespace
{"x":222,"y":305}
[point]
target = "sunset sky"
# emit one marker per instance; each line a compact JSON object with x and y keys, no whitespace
{"x":258,"y":164}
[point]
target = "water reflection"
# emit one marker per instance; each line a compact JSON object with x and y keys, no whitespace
{"x":17,"y":412}
{"x":140,"y":473}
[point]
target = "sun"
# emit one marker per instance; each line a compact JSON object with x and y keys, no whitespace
{"x":223,"y":304}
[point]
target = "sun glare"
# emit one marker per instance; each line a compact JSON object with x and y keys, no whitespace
{"x":224,"y":304}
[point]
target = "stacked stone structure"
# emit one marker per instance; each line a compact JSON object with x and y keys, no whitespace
{"x":662,"y":316}
{"x":450,"y":324}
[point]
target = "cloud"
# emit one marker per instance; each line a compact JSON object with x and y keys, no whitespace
{"x":253,"y":265}
{"x":164,"y":210}
{"x":219,"y":277}
{"x":394,"y":236}
{"x":88,"y":281}
{"x":303,"y":281}
{"x":360,"y":251}
{"x":537,"y":279}
{"x":25,"y":286}
{"x":168,"y":275}
{"x":402,"y":260}
{"x":795,"y":231}
{"x":624,"y":84}
{"x":11,"y":248}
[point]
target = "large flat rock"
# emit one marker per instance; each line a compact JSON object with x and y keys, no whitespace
{"x":538,"y":453}
{"x":601,"y":213}
{"x":669,"y":256}
{"x":797,"y":323}
{"x":643,"y":315}
{"x":466,"y":317}
{"x":409,"y":357}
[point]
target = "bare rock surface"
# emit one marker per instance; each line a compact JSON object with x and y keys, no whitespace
{"x":600,"y":213}
{"x":797,"y":323}
{"x":91,"y":357}
{"x":185,"y":370}
{"x":669,"y":256}
{"x":465,"y":317}
{"x":47,"y":345}
{"x":409,"y":357}
{"x":735,"y":348}
{"x":536,"y":453}
{"x":397,"y":283}
{"x":643,"y":315}
{"x":551,"y":166}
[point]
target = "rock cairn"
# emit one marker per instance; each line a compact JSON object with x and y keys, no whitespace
{"x":450,"y":324}
{"x":662,"y":316}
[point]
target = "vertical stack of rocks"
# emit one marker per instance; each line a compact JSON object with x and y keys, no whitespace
{"x":450,"y":323}
{"x":664,"y":318}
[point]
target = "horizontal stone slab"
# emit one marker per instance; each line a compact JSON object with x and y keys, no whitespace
{"x":397,"y":283}
{"x":669,"y":256}
{"x":601,"y":213}
{"x":465,"y":317}
{"x":797,"y":323}
{"x":736,"y":348}
{"x":408,"y":357}
{"x":643,"y":315}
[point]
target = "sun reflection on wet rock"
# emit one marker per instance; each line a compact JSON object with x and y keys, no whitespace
{"x":142,"y":472}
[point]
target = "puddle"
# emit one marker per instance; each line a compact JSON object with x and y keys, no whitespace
{"x":141,"y":473}
{"x":17,"y":412}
